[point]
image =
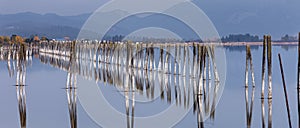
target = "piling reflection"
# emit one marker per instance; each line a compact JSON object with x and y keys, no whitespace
{"x":179,"y":70}
{"x":18,"y":57}
{"x":249,"y":107}
{"x":71,"y":88}
{"x":129,"y":93}
{"x":72,"y":99}
{"x":266,"y":52}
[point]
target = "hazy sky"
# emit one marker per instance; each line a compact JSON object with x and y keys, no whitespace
{"x":61,"y":7}
{"x":73,"y":7}
{"x":275,"y":17}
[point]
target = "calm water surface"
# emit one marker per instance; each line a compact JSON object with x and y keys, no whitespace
{"x":47,"y":99}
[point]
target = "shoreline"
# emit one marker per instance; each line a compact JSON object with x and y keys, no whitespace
{"x":259,"y":43}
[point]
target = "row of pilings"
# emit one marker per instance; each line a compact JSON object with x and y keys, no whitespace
{"x":102,"y":56}
{"x":186,"y":73}
{"x":267,"y":74}
{"x":266,"y":58}
{"x":181,"y":59}
{"x":143,"y":56}
{"x":18,"y":57}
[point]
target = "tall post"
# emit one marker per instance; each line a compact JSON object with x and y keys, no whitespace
{"x":269,"y":46}
{"x":285,"y":92}
{"x":146,"y":57}
{"x":269,"y":49}
{"x":184,"y":60}
{"x":175,"y":59}
{"x":298,"y":81}
{"x":249,"y":109}
{"x":194,"y":59}
{"x":152,"y":57}
{"x":161,"y":58}
{"x":263,"y":67}
{"x":263,"y":81}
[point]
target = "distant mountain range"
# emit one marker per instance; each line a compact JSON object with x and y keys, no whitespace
{"x":50,"y":25}
{"x":258,"y":21}
{"x":56,"y":26}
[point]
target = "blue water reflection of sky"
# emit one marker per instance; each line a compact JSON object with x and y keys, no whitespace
{"x":47,"y":102}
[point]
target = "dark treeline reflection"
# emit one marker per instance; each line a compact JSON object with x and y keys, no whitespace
{"x":240,"y":48}
{"x":185,"y":74}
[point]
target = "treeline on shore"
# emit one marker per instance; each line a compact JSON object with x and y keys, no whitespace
{"x":19,"y":39}
{"x":230,"y":38}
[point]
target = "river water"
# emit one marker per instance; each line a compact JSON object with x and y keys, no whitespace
{"x":41,"y":90}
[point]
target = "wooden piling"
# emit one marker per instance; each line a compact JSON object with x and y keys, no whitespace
{"x":285,"y":92}
{"x":204,"y":74}
{"x":253,"y":86}
{"x":263,"y":67}
{"x":246,"y":71}
{"x":269,"y":48}
{"x":152,"y":57}
{"x":209,"y":79}
{"x":194,"y":59}
{"x":263,"y":81}
{"x":140,"y":55}
{"x":246,"y":85}
{"x":179,"y":60}
{"x":249,"y":109}
{"x":167,"y":61}
{"x":184,"y":60}
{"x":298,"y":81}
{"x":161,"y":59}
{"x":175,"y":60}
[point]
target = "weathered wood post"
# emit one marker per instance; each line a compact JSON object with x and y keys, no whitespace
{"x":146,"y":57}
{"x":263,"y":67}
{"x":194,"y":59}
{"x":269,"y":46}
{"x":285,"y":92}
{"x":263,"y":81}
{"x":104,"y":51}
{"x":209,"y":79}
{"x":179,"y":60}
{"x":188,"y":71}
{"x":138,"y":54}
{"x":298,"y":81}
{"x":199,"y":52}
{"x":184,"y":60}
{"x":269,"y":49}
{"x":151,"y":57}
{"x":175,"y":59}
{"x":246,"y":71}
{"x":160,"y":63}
{"x":167,"y":60}
{"x":249,"y":110}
